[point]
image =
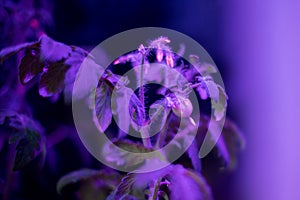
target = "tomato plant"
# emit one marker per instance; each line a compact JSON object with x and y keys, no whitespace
{"x":37,"y":91}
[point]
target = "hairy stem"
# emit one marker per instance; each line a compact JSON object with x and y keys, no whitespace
{"x":141,"y":89}
{"x":144,"y":131}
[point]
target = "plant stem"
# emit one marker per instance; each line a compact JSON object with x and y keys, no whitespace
{"x":145,"y":137}
{"x":163,"y":133}
{"x":141,"y":89}
{"x":144,"y":131}
{"x":156,"y":188}
{"x":58,"y":136}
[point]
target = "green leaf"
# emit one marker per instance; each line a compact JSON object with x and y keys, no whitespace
{"x":120,"y":103}
{"x":228,"y":144}
{"x":61,"y":65}
{"x":186,"y":184}
{"x":203,"y":68}
{"x":89,"y":184}
{"x":58,"y":64}
{"x":74,"y":61}
{"x":10,"y":51}
{"x":124,"y":188}
{"x":208,"y":68}
{"x":206,"y":86}
{"x":52,"y":80}
{"x":213,"y":88}
{"x":217,"y":94}
{"x":231,"y":140}
{"x":132,"y":147}
{"x":219,"y":107}
{"x":26,"y":132}
{"x":103,"y":113}
{"x":15,"y":136}
{"x":26,"y":149}
{"x":200,"y":182}
{"x":125,"y":156}
{"x":128,"y":109}
{"x":86,"y":174}
{"x":87,"y":78}
{"x":53,"y":51}
{"x":31,"y":64}
{"x":181,"y":184}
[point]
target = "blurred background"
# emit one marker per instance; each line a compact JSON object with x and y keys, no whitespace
{"x":256,"y":47}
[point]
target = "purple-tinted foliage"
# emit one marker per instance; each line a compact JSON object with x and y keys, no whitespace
{"x":50,"y":60}
{"x":91,"y":184}
{"x":58,"y":66}
{"x":181,"y":184}
{"x":27,"y":133}
{"x":103,"y":106}
{"x":125,"y":158}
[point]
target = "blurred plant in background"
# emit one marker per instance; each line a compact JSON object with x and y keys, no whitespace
{"x":34,"y":129}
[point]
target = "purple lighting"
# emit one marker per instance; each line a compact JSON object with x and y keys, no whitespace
{"x":155,"y":99}
{"x":261,"y":42}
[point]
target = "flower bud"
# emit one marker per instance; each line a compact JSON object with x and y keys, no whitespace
{"x":159,"y":55}
{"x":170,"y":60}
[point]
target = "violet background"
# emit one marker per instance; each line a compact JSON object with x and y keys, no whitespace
{"x":256,"y":46}
{"x":262,"y":44}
